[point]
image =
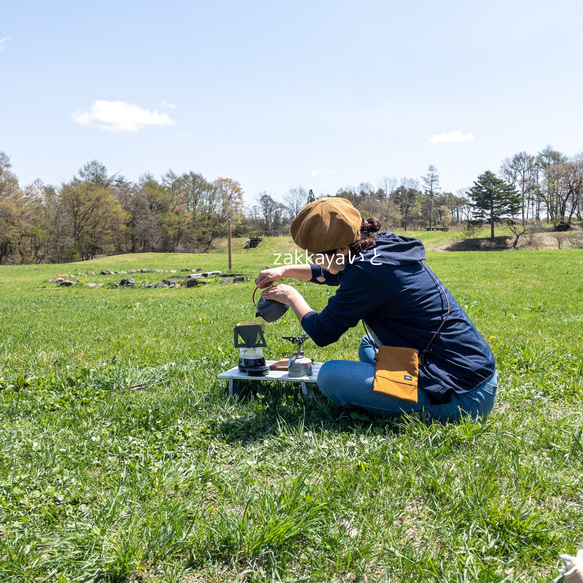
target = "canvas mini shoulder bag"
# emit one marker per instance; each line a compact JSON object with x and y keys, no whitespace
{"x":397,"y":367}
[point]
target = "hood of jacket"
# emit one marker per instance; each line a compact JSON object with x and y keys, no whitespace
{"x":391,"y":249}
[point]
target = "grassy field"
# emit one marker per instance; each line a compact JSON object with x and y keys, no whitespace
{"x":123,"y":460}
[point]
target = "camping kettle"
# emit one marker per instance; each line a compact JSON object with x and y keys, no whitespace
{"x":269,"y":310}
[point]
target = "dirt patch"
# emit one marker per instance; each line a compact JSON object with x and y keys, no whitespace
{"x":547,"y":240}
{"x":481,"y":244}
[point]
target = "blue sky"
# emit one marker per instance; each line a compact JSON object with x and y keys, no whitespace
{"x":321,"y":94}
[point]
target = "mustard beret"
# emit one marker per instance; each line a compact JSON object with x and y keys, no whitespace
{"x":326,"y":224}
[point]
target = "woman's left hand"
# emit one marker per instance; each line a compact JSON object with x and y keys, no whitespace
{"x":281,"y":293}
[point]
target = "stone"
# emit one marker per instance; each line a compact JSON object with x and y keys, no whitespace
{"x":195,"y":281}
{"x":132,"y":271}
{"x":66,"y":283}
{"x":185,"y":269}
{"x":144,"y":270}
{"x":238,"y":278}
{"x":199,"y":269}
{"x":92,"y":285}
{"x":226,"y":280}
{"x":91,"y":272}
{"x":169,"y":281}
{"x":158,"y":271}
{"x":127,"y":282}
{"x":106,"y":272}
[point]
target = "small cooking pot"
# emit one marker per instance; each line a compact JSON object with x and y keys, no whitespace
{"x":269,"y":310}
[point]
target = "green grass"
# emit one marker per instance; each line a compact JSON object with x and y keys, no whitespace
{"x":123,"y":460}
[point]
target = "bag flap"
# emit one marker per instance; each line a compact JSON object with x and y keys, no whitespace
{"x":398,"y":364}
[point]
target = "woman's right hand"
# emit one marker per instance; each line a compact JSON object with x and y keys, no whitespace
{"x":267,"y":277}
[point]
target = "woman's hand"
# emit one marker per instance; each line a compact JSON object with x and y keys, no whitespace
{"x":268,"y":276}
{"x":286,"y":294}
{"x":283,"y":293}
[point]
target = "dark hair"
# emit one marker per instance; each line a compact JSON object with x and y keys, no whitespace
{"x":367,"y":238}
{"x":366,"y":241}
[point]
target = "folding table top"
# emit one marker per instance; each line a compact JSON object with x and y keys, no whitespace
{"x":272,"y":375}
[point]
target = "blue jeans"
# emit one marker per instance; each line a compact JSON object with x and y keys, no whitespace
{"x":349,"y":384}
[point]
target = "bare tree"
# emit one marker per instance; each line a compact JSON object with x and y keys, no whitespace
{"x":295,"y":199}
{"x":521,"y":171}
{"x":573,"y":179}
{"x":388,"y":184}
{"x":549,"y":188}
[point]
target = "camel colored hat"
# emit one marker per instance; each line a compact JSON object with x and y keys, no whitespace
{"x":326,"y":224}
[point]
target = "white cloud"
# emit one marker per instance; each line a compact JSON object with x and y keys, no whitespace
{"x":322,"y":171}
{"x":2,"y":41}
{"x":451,"y":137}
{"x":120,"y":116}
{"x":170,"y":105}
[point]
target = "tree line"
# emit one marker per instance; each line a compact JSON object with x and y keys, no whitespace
{"x":99,"y":214}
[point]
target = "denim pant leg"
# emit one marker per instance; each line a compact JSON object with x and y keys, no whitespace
{"x":476,"y":404}
{"x":350,"y":384}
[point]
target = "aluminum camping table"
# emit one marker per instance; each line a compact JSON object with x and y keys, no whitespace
{"x":235,"y":377}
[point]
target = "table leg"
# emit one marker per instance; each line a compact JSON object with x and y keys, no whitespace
{"x":307,"y":390}
{"x":234,"y":386}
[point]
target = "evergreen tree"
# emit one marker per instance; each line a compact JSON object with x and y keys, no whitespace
{"x":493,"y":199}
{"x":431,"y":184}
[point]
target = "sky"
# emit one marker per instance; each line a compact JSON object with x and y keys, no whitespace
{"x":322,"y":94}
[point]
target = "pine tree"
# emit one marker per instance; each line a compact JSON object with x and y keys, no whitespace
{"x":431,"y":183}
{"x":493,"y":199}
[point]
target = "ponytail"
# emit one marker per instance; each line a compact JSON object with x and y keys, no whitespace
{"x":367,"y":239}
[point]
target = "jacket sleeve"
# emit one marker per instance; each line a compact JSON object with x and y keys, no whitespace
{"x":357,"y":297}
{"x":319,"y":271}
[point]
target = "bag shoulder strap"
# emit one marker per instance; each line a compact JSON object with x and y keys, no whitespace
{"x":441,"y":288}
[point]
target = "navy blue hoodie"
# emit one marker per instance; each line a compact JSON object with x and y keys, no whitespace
{"x":389,"y":288}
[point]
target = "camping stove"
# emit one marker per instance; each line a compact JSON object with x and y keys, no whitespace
{"x":299,"y":365}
